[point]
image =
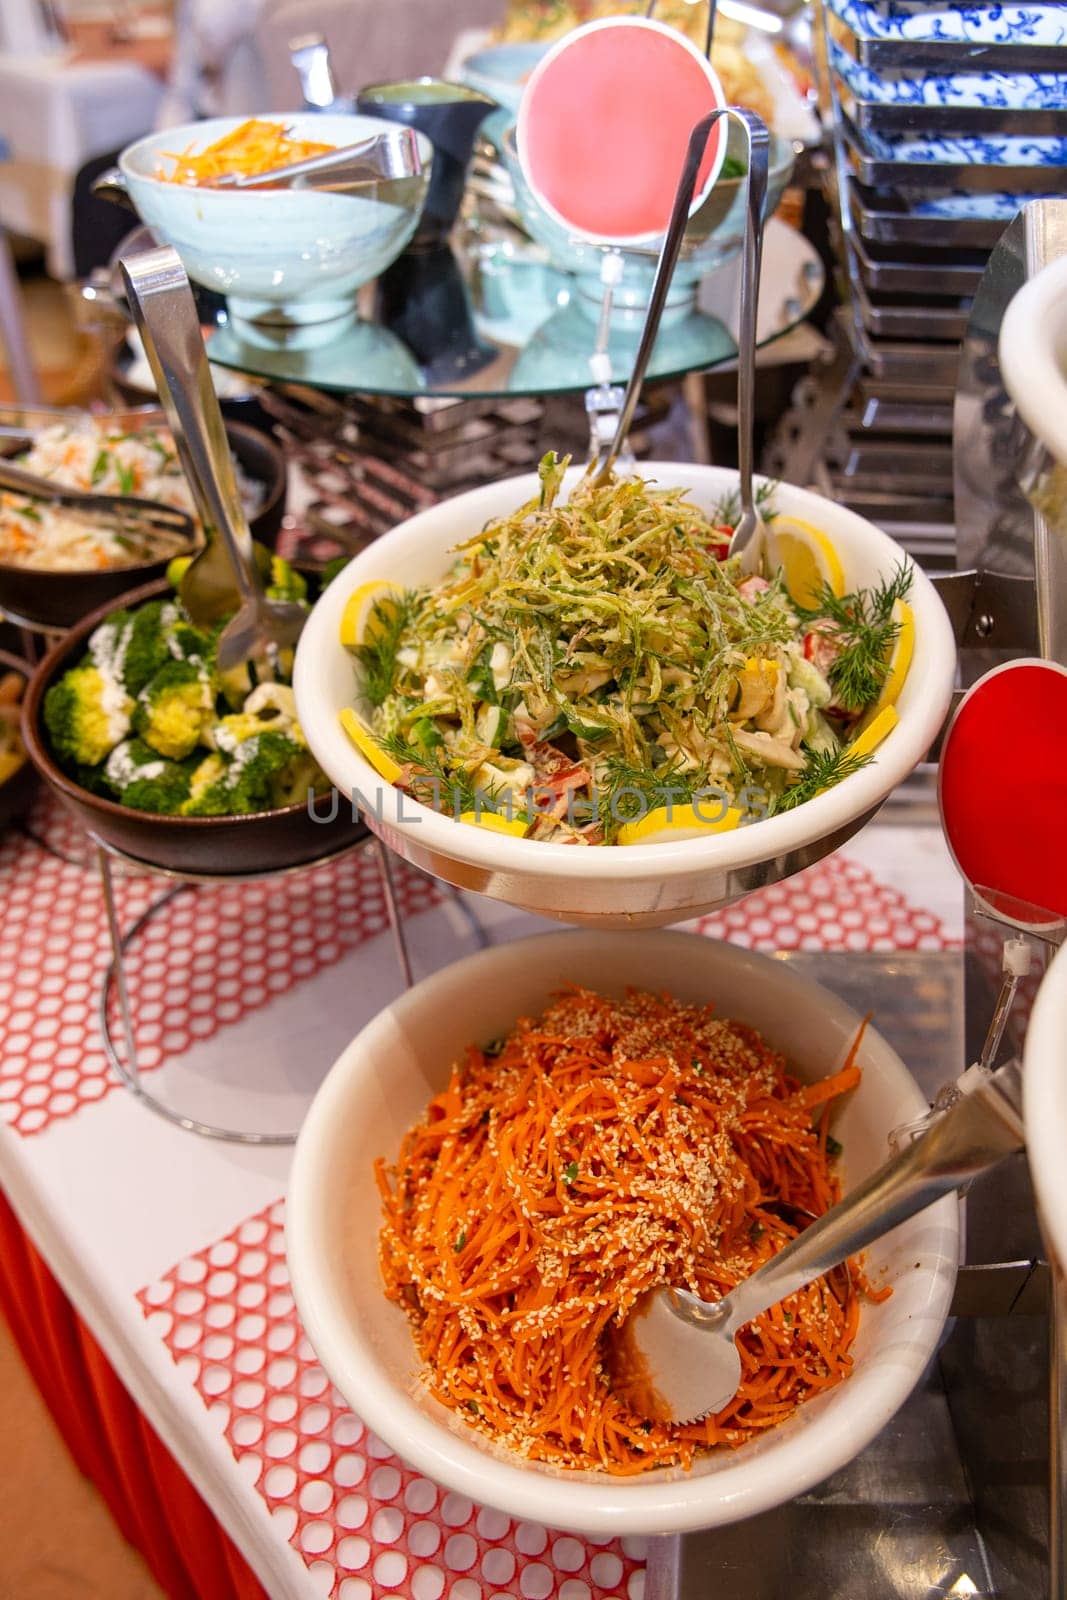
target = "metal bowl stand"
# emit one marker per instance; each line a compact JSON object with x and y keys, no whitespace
{"x":122,"y":1052}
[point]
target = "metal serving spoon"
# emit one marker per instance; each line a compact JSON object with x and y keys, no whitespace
{"x":224,"y":574}
{"x":678,"y":1359}
{"x":128,"y":515}
{"x":747,"y":539}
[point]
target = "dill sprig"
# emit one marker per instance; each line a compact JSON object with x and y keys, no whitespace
{"x":727,"y":513}
{"x":862,"y":625}
{"x":824,"y":769}
{"x":435,"y":780}
{"x":378,"y":656}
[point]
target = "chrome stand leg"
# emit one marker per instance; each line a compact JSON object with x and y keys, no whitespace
{"x":125,"y":1065}
{"x":663,"y":1566}
{"x":385,"y":868}
{"x":128,"y":1069}
{"x":1057,"y":1451}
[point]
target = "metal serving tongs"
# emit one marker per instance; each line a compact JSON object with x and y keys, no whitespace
{"x":747,"y":541}
{"x":224,"y":575}
{"x":128,"y":516}
{"x":388,"y":156}
{"x":678,"y":1360}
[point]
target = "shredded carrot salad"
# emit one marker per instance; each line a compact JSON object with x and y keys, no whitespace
{"x":256,"y":146}
{"x":599,"y":1151}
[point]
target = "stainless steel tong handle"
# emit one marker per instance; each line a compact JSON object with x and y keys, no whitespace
{"x":389,"y":155}
{"x":165,"y":313}
{"x":973,"y":1135}
{"x":758,"y":141}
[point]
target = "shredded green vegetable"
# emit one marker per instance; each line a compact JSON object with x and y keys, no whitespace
{"x":587,"y":662}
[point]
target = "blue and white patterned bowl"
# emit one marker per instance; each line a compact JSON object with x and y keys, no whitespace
{"x":982,"y":150}
{"x":956,"y":206}
{"x":1030,"y":91}
{"x":1043,"y":23}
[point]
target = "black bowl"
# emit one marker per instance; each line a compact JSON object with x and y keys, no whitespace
{"x":18,"y":790}
{"x":263,"y":841}
{"x":60,"y":599}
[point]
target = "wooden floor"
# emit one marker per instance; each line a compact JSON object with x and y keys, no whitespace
{"x":57,"y":1539}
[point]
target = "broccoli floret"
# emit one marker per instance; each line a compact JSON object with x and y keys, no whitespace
{"x":285,"y":583}
{"x":160,"y":633}
{"x":108,"y":642}
{"x":87,"y":714}
{"x":175,"y":709}
{"x":205,"y":775}
{"x":94,"y":779}
{"x":145,"y":780}
{"x":145,"y":648}
{"x":269,"y":770}
{"x":236,"y":683}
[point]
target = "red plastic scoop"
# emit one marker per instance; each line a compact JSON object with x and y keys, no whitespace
{"x":1003,"y":791}
{"x":604,"y":124}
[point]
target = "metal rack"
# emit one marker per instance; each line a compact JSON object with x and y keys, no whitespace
{"x":1005,"y":1425}
{"x":910,"y":264}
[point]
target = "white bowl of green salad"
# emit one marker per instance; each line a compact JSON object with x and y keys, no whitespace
{"x":577,"y":703}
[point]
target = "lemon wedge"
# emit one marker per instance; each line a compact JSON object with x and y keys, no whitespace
{"x":676,"y":822}
{"x":806,"y":557}
{"x":899,"y":661}
{"x":871,"y":736}
{"x":495,"y":822}
{"x":362,"y":617}
{"x":368,"y":746}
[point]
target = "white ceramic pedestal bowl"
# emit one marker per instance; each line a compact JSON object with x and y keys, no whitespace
{"x":289,"y":260}
{"x":382,"y":1084}
{"x":613,"y":886}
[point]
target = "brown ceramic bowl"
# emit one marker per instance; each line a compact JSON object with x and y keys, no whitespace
{"x":263,"y":841}
{"x":18,"y":790}
{"x":60,"y":599}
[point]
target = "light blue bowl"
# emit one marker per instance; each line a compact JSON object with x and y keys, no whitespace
{"x":289,"y":261}
{"x":501,"y":71}
{"x":714,"y":235}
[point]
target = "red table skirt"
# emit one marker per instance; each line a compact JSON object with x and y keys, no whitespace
{"x":149,"y":1496}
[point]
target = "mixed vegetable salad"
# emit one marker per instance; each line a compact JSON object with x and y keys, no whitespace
{"x":147,"y":718}
{"x":600,"y":671}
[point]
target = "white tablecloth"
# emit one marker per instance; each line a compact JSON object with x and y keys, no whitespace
{"x":55,"y":115}
{"x":170,"y":1246}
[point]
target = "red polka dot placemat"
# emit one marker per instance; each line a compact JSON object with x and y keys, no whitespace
{"x":364,"y":1522}
{"x":212,"y":955}
{"x":204,"y":961}
{"x":836,"y":905}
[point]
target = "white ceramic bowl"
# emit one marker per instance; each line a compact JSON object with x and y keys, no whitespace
{"x":1033,"y":356}
{"x":1045,"y":1104}
{"x":640,"y":885}
{"x":284,"y":257}
{"x":381,"y":1085}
